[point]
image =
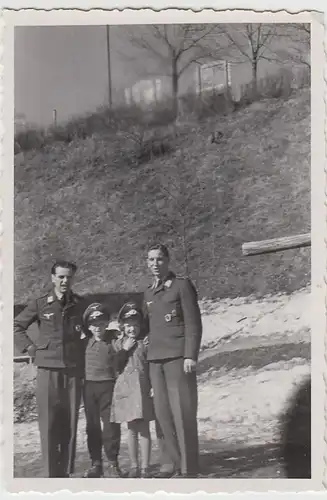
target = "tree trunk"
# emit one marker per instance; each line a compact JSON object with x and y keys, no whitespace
{"x":255,"y":77}
{"x":174,"y":86}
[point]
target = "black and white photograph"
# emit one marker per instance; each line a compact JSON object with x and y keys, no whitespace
{"x":162,"y":216}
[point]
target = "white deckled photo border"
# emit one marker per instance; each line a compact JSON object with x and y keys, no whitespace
{"x":90,"y":12}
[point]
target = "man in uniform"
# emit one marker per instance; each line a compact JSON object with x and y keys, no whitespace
{"x":59,"y":356}
{"x":173,"y":320}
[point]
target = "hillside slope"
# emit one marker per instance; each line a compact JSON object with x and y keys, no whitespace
{"x":88,"y":201}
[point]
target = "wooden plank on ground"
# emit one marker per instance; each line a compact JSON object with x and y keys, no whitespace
{"x":22,"y":359}
{"x":276,"y":244}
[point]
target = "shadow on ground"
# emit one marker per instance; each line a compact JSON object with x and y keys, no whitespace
{"x":296,"y":433}
{"x":216,"y":461}
{"x":243,"y":462}
{"x":256,"y":357}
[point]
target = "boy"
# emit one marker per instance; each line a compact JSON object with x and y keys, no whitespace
{"x":102,"y":363}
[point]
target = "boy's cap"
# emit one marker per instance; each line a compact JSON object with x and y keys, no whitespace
{"x":94,"y":312}
{"x":128,"y":310}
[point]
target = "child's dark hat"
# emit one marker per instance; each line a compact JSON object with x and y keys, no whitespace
{"x":95,"y":312}
{"x":129,"y":310}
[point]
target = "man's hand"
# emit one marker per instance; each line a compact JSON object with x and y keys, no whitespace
{"x":146,"y":340}
{"x":31,"y":350}
{"x":189,"y":365}
{"x":128,"y":343}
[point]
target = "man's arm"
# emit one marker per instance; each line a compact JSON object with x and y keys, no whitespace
{"x":192,"y":319}
{"x":21,"y":323}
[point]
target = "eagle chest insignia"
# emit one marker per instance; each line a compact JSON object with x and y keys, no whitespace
{"x":48,"y":315}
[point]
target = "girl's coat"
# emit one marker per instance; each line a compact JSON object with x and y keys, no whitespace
{"x":131,"y":398}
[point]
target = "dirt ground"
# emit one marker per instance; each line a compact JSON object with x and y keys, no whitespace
{"x":254,"y":355}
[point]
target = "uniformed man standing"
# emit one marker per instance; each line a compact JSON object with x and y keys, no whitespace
{"x":175,"y":329}
{"x":59,"y":357}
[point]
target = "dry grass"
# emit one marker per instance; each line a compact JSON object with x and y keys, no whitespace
{"x":88,"y":200}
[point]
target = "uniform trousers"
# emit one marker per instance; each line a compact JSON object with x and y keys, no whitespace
{"x":175,"y":402}
{"x":97,"y":405}
{"x":58,"y":396}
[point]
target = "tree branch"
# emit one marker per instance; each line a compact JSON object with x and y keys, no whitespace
{"x":237,"y":45}
{"x":195,"y":41}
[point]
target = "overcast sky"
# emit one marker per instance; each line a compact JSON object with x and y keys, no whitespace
{"x":64,"y":67}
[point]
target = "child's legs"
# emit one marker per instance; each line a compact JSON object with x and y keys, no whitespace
{"x":145,"y":443}
{"x":139,"y":430}
{"x":132,"y":442}
{"x":93,"y":424}
{"x":111,"y":430}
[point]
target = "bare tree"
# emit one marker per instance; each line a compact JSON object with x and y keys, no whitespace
{"x":295,"y":43}
{"x":250,"y":42}
{"x":173,"y":48}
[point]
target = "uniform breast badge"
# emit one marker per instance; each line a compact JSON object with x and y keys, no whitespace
{"x":48,"y":315}
{"x":168,"y":317}
{"x":79,"y":330}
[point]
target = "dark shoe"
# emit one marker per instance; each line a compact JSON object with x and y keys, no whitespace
{"x":134,"y":472}
{"x":190,"y":475}
{"x":145,"y":474}
{"x":166,"y":474}
{"x":94,"y":471}
{"x":114,"y":470}
{"x":176,"y":474}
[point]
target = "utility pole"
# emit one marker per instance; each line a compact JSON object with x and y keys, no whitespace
{"x":109,"y":67}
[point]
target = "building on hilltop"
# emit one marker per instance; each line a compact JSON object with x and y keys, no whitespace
{"x":200,"y":78}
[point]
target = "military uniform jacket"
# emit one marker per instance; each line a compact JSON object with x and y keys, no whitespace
{"x":172,"y":319}
{"x":60,"y":343}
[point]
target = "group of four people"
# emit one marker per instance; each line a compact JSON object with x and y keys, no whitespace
{"x":142,"y":369}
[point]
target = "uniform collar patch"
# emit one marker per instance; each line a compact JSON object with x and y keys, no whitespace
{"x":168,"y":283}
{"x":50,"y":299}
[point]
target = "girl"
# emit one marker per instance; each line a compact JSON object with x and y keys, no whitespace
{"x":132,"y":401}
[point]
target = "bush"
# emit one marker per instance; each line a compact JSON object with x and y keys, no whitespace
{"x":214,"y":103}
{"x":162,"y":113}
{"x":29,"y":139}
{"x":142,"y":144}
{"x":280,"y":85}
{"x":205,"y":105}
{"x":277,"y":86}
{"x":24,"y":393}
{"x":153,"y":148}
